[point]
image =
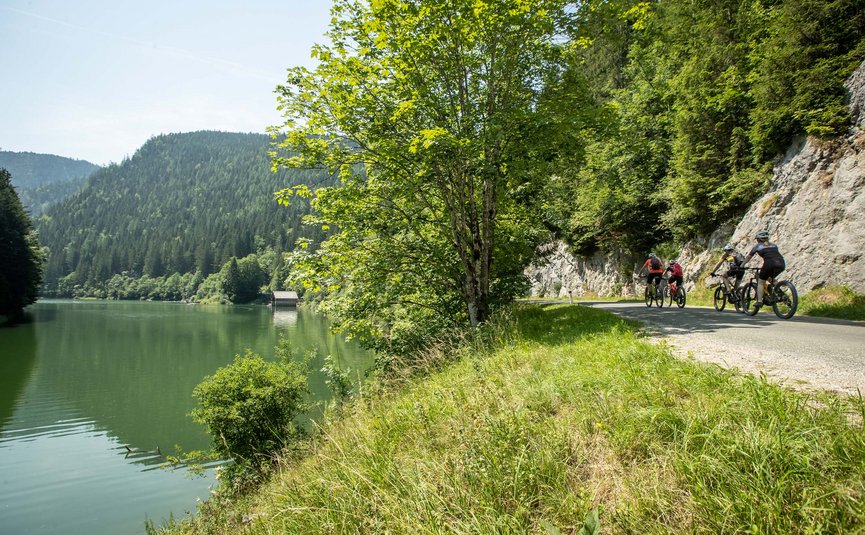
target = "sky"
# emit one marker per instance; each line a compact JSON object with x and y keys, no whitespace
{"x":95,"y":79}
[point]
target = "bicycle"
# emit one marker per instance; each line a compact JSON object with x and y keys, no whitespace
{"x":781,"y":295}
{"x":675,"y":294}
{"x":724,"y":295}
{"x":655,"y":292}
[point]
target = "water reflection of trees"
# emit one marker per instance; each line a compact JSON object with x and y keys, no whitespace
{"x":131,"y":367}
{"x":17,"y":356}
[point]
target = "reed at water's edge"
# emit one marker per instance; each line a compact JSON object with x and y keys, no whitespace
{"x":569,"y":411}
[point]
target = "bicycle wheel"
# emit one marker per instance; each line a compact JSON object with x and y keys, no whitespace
{"x":786,"y":300}
{"x":680,"y":297}
{"x":648,"y":296}
{"x":720,"y":299}
{"x":668,"y":295}
{"x":737,"y":299}
{"x":749,"y":299}
{"x":660,"y":293}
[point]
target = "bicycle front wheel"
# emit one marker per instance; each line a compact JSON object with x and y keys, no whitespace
{"x":786,"y":300}
{"x":680,"y":296}
{"x":720,"y":299}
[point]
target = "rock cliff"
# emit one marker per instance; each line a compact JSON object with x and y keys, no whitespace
{"x":814,"y":210}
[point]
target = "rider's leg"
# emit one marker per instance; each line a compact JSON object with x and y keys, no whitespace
{"x":761,"y":286}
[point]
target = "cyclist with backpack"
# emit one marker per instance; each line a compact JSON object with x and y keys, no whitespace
{"x":773,"y":263}
{"x":735,"y":267}
{"x":655,"y":269}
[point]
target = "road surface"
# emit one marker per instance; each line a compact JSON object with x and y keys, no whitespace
{"x":801,"y":352}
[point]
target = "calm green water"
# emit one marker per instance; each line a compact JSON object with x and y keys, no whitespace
{"x":85,"y":382}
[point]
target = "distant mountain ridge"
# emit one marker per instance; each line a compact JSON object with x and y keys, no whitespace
{"x":44,"y":179}
{"x":183,"y":203}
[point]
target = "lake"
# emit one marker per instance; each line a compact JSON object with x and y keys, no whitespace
{"x":94,"y":394}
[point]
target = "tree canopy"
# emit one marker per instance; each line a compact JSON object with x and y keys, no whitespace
{"x":424,"y":109}
{"x":20,"y":255}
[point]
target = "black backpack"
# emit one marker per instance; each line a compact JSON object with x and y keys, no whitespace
{"x":656,"y":263}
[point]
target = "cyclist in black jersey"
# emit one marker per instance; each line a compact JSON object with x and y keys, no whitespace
{"x":773,"y":263}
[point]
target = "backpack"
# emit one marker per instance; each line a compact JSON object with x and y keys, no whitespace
{"x":676,"y":269}
{"x":737,"y":261}
{"x":656,"y":263}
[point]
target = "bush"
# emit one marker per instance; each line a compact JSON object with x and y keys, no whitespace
{"x":249,"y":407}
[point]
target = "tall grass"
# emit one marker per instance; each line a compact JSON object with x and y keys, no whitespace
{"x":571,"y":412}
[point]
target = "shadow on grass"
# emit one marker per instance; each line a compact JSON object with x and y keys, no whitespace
{"x":555,"y":324}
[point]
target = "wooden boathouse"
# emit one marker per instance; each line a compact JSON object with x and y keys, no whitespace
{"x":284,"y":299}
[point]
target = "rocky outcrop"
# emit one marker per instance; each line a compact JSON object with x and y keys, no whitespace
{"x":561,"y":274}
{"x":814,"y":210}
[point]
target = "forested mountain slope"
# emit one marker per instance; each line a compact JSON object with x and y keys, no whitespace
{"x":183,"y":203}
{"x":43,"y":179}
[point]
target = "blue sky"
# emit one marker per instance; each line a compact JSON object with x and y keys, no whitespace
{"x":95,"y":79}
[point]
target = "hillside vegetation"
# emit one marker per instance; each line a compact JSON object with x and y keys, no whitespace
{"x":184,"y":204}
{"x":44,"y":179}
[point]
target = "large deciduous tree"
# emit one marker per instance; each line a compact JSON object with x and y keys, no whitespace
{"x":428,"y":110}
{"x":20,"y":255}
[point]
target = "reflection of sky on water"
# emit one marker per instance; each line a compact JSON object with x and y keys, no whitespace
{"x":285,"y":317}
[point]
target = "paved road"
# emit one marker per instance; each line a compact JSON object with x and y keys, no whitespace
{"x":802,"y":351}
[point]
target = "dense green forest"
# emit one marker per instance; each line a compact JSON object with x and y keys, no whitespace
{"x":44,"y":179}
{"x":20,"y":254}
{"x":159,"y":223}
{"x":485,"y":129}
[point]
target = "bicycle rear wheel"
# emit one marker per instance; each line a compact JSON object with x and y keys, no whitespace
{"x":648,"y":295}
{"x":749,"y":299}
{"x":786,"y":300}
{"x":680,"y":297}
{"x":668,"y":295}
{"x":660,"y":296}
{"x":720,"y":299}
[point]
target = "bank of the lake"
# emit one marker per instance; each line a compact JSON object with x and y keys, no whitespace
{"x":95,"y":394}
{"x":571,"y":412}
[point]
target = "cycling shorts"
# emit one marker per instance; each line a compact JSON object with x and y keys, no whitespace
{"x":770,"y":271}
{"x":654,"y":276}
{"x":676,"y":279}
{"x":738,"y":273}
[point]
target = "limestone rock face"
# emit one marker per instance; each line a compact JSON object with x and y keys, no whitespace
{"x":814,"y":210}
{"x":562,"y":274}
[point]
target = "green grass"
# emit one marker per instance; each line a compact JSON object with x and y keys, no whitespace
{"x":834,"y":302}
{"x":571,"y":412}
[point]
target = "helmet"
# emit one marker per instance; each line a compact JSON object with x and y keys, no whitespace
{"x":652,"y":255}
{"x":762,"y":235}
{"x":673,"y":261}
{"x":729,"y":248}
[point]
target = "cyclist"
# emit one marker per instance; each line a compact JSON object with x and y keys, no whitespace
{"x":655,"y":269}
{"x":735,"y":267}
{"x":773,"y":263}
{"x":676,"y":274}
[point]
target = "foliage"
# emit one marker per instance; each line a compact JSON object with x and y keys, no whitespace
{"x":21,"y":264}
{"x":44,"y":179}
{"x":703,"y":97}
{"x":249,"y":407}
{"x":428,"y":112}
{"x":184,"y":203}
{"x":574,"y":412}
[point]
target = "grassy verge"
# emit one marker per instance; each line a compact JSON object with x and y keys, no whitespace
{"x":834,"y":302}
{"x":573,"y":412}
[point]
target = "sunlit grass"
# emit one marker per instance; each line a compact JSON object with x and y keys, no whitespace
{"x":834,"y":302}
{"x":568,"y":412}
